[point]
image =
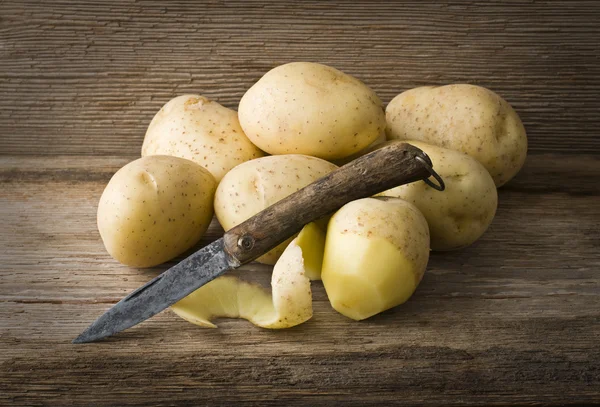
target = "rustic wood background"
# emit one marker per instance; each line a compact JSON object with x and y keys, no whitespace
{"x":514,"y":319}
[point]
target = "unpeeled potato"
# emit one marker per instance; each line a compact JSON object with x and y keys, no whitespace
{"x":200,"y":130}
{"x":465,"y":118}
{"x":154,"y":209}
{"x":254,"y":185}
{"x":460,"y":214}
{"x":313,"y":109}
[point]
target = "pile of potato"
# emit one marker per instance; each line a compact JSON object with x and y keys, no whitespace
{"x":293,"y":126}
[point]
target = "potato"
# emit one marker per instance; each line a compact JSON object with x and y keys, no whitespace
{"x":466,"y":118}
{"x":254,"y":185}
{"x":371,"y":147}
{"x":463,"y":211}
{"x":313,"y":109}
{"x":154,"y":209}
{"x":289,"y":304}
{"x":376,"y":252}
{"x":196,"y":128}
{"x":312,"y":240}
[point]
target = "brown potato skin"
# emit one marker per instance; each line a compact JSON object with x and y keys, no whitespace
{"x":312,"y":109}
{"x":254,"y":185}
{"x":460,"y":214}
{"x":201,"y":130}
{"x":466,"y":118}
{"x":155,"y":208}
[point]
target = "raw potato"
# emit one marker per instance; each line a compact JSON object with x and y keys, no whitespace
{"x":376,"y":252}
{"x":289,"y":304}
{"x":312,"y":240}
{"x":254,"y":185}
{"x":463,"y":211}
{"x":196,"y":128}
{"x":154,"y":209}
{"x":371,"y":147}
{"x":312,"y":109}
{"x":466,"y":118}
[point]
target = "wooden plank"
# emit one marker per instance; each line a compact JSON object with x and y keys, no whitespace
{"x":430,"y":353}
{"x":515,"y":318}
{"x":87,"y":77}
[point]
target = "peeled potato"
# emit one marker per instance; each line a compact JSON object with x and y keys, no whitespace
{"x":254,"y":185}
{"x":289,"y":303}
{"x":200,"y":130}
{"x":376,"y":252}
{"x":154,"y":209}
{"x":465,"y":118}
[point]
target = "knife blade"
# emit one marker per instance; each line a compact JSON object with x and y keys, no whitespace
{"x":164,"y":290}
{"x":392,"y":165}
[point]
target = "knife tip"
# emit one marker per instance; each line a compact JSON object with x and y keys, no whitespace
{"x":80,"y":339}
{"x":87,"y":336}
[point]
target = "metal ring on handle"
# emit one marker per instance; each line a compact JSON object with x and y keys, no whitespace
{"x":440,"y":185}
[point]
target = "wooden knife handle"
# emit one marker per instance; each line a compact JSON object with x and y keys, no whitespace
{"x":392,"y":165}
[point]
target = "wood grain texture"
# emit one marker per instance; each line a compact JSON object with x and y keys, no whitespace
{"x":512,"y":320}
{"x":515,"y":318}
{"x":86,"y":77}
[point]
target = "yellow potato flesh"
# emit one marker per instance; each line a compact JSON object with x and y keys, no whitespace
{"x":375,"y":255}
{"x":312,"y":241}
{"x":289,"y":303}
{"x":366,"y":276}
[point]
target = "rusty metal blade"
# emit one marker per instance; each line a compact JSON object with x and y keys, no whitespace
{"x":161,"y":292}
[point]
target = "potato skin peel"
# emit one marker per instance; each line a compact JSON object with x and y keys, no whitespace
{"x":466,"y":118}
{"x":289,"y":303}
{"x":312,"y":241}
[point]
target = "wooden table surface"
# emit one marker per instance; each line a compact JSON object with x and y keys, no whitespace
{"x":513,"y":319}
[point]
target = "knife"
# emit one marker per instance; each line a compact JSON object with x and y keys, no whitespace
{"x":392,"y":165}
